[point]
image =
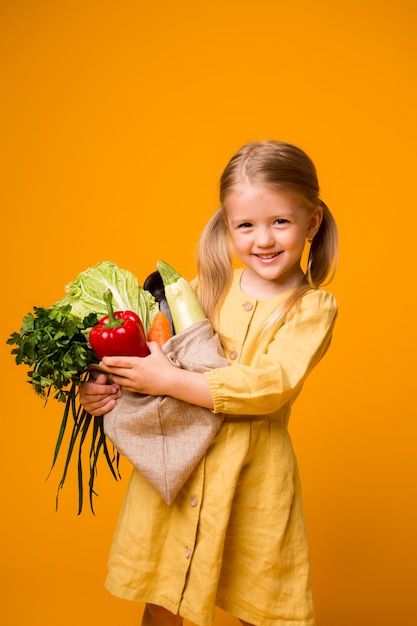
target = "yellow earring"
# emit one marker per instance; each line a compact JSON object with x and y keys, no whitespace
{"x":310,"y":239}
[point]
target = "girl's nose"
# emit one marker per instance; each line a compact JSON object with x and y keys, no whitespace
{"x":264,"y":238}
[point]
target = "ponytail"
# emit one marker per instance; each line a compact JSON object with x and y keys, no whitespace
{"x":322,"y":258}
{"x":214,"y":263}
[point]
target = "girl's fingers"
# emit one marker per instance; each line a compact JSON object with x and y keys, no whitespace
{"x":101,"y":407}
{"x":90,"y":388}
{"x":118,"y":361}
{"x":98,"y":397}
{"x":102,"y":410}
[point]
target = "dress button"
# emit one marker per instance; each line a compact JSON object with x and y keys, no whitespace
{"x":248,"y":306}
{"x":187,"y":553}
{"x":233,"y":355}
{"x":193,"y":500}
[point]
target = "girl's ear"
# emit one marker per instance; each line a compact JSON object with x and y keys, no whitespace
{"x":314,"y":223}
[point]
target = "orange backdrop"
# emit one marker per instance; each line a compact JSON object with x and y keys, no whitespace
{"x":117,"y":119}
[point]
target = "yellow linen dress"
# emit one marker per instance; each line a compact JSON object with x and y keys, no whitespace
{"x":234,"y":536}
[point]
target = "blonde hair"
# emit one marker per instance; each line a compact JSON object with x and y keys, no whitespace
{"x":283,"y":167}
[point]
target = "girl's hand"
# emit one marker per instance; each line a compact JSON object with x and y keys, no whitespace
{"x":97,"y":396}
{"x":155,"y":375}
{"x":151,"y":375}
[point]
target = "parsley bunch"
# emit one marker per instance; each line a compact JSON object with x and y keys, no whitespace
{"x":53,"y":343}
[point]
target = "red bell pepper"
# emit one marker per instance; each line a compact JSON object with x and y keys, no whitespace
{"x":119,"y":333}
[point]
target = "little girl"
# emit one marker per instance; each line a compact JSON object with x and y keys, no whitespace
{"x":234,"y":536}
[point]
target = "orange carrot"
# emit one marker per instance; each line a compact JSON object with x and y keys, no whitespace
{"x":160,"y":329}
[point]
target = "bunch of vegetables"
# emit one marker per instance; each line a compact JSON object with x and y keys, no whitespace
{"x":60,"y":343}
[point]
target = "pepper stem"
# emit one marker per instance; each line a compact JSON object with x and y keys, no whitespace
{"x":113,"y":322}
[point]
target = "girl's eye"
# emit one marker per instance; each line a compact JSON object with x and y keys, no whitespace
{"x":245,"y":225}
{"x":281,"y":221}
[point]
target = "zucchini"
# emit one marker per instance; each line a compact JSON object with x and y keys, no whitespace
{"x":182,"y":300}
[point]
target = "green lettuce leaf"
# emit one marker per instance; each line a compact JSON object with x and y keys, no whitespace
{"x":85,"y":293}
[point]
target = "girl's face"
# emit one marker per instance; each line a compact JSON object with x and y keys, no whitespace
{"x":269,"y":229}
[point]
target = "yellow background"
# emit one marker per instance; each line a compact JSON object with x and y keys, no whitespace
{"x":117,"y":118}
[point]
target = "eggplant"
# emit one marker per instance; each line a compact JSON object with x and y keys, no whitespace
{"x":155,"y":285}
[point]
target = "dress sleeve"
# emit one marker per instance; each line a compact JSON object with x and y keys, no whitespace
{"x":278,"y":372}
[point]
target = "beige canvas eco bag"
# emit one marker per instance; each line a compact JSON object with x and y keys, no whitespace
{"x":162,"y":437}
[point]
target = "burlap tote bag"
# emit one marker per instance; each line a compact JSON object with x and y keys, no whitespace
{"x":162,"y":437}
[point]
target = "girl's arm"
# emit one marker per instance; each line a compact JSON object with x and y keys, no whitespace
{"x":155,"y":375}
{"x":260,"y":388}
{"x":275,"y":374}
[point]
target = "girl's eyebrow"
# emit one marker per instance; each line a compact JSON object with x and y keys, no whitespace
{"x":277,"y":216}
{"x":241,"y":220}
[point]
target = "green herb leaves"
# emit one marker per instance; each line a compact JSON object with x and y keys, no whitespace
{"x":53,"y":343}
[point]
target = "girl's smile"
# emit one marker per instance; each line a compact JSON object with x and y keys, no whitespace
{"x":268,"y":229}
{"x":268,"y":257}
